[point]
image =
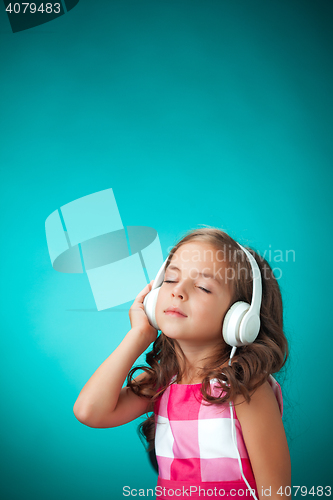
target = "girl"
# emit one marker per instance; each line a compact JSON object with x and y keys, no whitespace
{"x":216,"y":427}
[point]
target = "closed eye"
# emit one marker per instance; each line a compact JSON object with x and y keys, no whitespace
{"x":200,"y":287}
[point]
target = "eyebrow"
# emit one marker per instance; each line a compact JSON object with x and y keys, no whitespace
{"x":205,"y":275}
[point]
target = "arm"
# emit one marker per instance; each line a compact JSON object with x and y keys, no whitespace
{"x":266,"y":441}
{"x":103,"y":402}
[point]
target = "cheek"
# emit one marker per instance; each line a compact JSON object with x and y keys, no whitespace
{"x":160,"y":297}
{"x":211,"y":311}
{"x":205,"y":312}
{"x":159,"y":304}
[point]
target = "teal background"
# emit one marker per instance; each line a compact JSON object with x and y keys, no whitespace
{"x":194,"y":112}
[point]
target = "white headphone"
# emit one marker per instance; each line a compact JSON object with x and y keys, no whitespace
{"x":241,"y":324}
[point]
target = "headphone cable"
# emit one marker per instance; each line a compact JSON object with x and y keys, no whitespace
{"x":233,"y":434}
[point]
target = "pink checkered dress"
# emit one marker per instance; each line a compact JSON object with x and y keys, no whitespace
{"x":194,"y":445}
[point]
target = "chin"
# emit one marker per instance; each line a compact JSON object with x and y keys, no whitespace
{"x":170,"y":332}
{"x":176,"y":335}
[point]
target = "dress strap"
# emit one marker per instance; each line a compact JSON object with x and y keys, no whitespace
{"x":277,"y":391}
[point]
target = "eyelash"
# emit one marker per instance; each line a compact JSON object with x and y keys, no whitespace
{"x":201,"y":288}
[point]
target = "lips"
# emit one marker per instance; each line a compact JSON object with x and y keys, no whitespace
{"x":174,"y":311}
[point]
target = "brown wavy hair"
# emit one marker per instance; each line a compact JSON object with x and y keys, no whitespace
{"x":251,"y":365}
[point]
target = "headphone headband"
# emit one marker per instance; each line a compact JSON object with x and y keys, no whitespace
{"x":257,"y":285}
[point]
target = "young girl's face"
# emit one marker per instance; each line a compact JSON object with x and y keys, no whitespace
{"x":194,"y":296}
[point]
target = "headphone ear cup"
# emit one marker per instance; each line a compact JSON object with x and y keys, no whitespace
{"x":149,"y":304}
{"x":232,"y":321}
{"x":249,"y":328}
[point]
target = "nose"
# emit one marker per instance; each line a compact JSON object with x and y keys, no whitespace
{"x":179,"y":291}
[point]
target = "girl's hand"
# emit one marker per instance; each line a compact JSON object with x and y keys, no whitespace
{"x":138,"y":317}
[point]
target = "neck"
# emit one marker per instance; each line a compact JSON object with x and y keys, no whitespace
{"x":194,"y":360}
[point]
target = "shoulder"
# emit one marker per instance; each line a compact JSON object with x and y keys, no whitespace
{"x":264,"y":436}
{"x":263,"y":405}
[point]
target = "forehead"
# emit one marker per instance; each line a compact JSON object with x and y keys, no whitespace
{"x":198,"y":254}
{"x":202,"y":260}
{"x":205,"y":261}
